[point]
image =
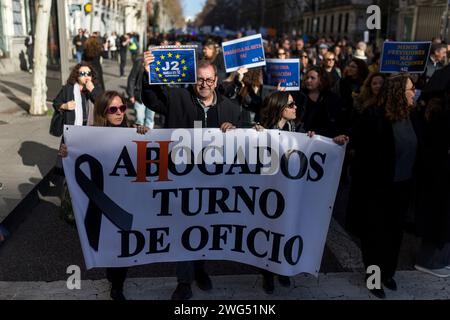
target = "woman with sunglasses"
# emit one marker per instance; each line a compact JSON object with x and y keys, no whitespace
{"x":110,"y":111}
{"x":278,"y":112}
{"x":75,"y":101}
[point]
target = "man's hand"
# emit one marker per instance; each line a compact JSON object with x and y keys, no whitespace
{"x":149,"y":58}
{"x":227,"y":126}
{"x":141,"y":129}
{"x":132,"y":100}
{"x":341,"y":140}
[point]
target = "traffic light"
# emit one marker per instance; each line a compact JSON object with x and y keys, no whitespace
{"x":88,"y":7}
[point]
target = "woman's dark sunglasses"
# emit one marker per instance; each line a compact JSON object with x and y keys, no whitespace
{"x":113,"y":109}
{"x":291,"y":105}
{"x":85,"y":73}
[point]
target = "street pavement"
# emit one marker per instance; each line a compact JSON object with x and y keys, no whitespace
{"x":34,"y":258}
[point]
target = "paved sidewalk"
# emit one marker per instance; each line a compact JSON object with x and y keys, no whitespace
{"x":413,"y":285}
{"x":27,"y":150}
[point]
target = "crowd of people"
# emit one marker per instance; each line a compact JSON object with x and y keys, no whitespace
{"x":396,"y":127}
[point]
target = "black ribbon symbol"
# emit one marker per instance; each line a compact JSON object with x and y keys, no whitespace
{"x":99,"y":202}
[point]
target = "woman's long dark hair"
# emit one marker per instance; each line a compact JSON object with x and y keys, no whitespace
{"x":251,"y":79}
{"x":273,"y":107}
{"x":393,"y":99}
{"x":73,"y":77}
{"x":366,"y":98}
{"x":363,"y":70}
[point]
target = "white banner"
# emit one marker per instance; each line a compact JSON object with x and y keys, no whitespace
{"x":187,"y":194}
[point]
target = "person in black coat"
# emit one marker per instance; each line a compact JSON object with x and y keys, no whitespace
{"x":92,"y":53}
{"x":181,"y":108}
{"x":319,"y":108}
{"x":386,"y":140}
{"x":84,"y":77}
{"x":433,"y":196}
{"x":349,"y":87}
{"x":110,"y":112}
{"x":29,"y":43}
{"x":244,"y":87}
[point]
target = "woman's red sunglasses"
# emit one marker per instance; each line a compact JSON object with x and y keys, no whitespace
{"x":113,"y":109}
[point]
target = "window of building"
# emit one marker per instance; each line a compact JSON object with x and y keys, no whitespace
{"x":340,"y":22}
{"x":318,"y":24}
{"x":347,"y":17}
{"x":17,"y":17}
{"x":332,"y":24}
{"x":324,"y":24}
{"x":307,"y":25}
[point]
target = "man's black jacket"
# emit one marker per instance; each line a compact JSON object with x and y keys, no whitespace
{"x":180,"y":106}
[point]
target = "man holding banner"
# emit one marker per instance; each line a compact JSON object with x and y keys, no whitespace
{"x":183,"y":108}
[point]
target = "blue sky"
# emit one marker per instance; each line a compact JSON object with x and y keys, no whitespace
{"x":192,"y":7}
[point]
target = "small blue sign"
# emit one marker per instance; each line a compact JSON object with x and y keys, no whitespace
{"x":409,"y":57}
{"x":245,"y":52}
{"x":173,"y":66}
{"x":285,"y":72}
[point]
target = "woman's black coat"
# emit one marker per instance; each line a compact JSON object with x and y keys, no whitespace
{"x":373,"y":166}
{"x":65,"y":95}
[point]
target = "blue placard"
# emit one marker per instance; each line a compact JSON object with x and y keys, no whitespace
{"x":409,"y":57}
{"x":245,"y":52}
{"x":283,"y":71}
{"x":173,"y":66}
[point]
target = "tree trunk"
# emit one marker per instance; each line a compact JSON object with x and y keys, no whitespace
{"x":39,"y":90}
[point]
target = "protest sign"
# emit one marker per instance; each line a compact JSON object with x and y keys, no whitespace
{"x":245,"y":52}
{"x":283,"y":71}
{"x":409,"y":57}
{"x":259,"y":198}
{"x":173,"y":65}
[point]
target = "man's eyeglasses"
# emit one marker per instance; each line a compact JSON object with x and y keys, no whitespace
{"x":113,"y":109}
{"x":291,"y":105}
{"x":209,"y":82}
{"x":329,"y":59}
{"x":85,"y":73}
{"x":281,"y":53}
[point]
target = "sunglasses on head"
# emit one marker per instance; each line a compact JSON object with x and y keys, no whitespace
{"x":113,"y":109}
{"x":85,"y":73}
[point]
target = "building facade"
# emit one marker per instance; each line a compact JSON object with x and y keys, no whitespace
{"x":422,"y":20}
{"x":18,"y":17}
{"x":16,"y":20}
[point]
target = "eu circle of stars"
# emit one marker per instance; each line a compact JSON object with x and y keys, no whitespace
{"x":173,"y":67}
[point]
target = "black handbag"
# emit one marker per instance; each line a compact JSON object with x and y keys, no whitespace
{"x":57,"y":124}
